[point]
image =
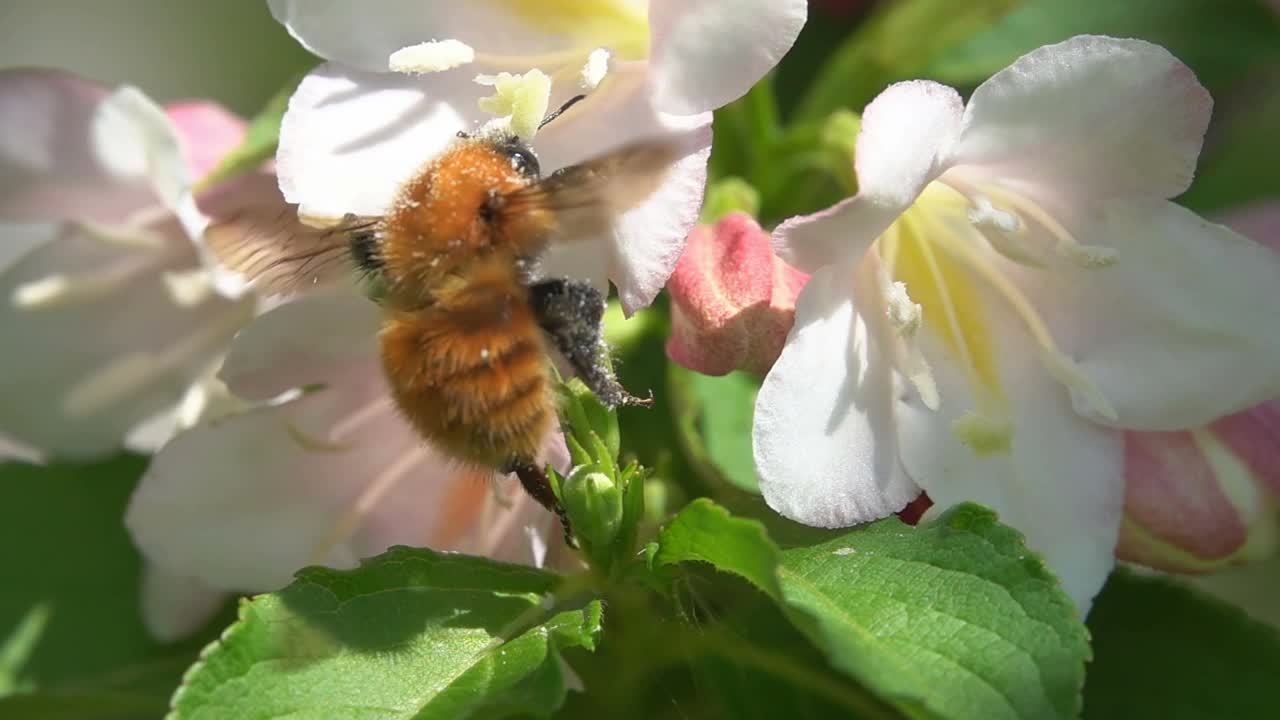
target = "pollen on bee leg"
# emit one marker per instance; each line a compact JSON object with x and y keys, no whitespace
{"x":431,"y":57}
{"x":522,"y":98}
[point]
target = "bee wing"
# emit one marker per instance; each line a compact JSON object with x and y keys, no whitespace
{"x":279,"y":254}
{"x":585,"y":198}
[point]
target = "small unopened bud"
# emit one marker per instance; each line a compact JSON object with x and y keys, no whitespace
{"x":594,"y":504}
{"x":1205,"y":499}
{"x":733,"y":300}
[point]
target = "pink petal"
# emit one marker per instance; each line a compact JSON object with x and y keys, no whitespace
{"x":1177,"y":517}
{"x":208,"y":132}
{"x":1196,"y":502}
{"x":733,"y":300}
{"x":1254,"y":436}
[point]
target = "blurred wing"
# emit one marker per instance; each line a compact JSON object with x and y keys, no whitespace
{"x":586,"y":198}
{"x":279,"y":254}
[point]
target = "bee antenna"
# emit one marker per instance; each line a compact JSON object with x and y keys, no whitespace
{"x":568,"y":104}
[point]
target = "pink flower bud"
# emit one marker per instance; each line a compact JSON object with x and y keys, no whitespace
{"x":733,"y":300}
{"x":208,"y":132}
{"x":1201,"y":500}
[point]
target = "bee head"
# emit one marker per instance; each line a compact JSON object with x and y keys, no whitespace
{"x":521,"y":155}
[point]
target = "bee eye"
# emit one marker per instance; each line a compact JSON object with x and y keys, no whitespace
{"x":523,"y":160}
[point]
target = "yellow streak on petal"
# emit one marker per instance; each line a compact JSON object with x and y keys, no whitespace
{"x":621,"y":26}
{"x":951,"y":304}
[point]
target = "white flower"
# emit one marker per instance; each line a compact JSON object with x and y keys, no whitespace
{"x":107,"y":318}
{"x":1061,"y":298}
{"x":325,"y":475}
{"x":355,"y":131}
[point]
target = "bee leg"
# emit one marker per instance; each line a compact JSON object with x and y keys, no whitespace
{"x":571,"y":311}
{"x":534,"y":481}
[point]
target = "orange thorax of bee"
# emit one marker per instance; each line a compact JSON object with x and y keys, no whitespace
{"x":452,"y":215}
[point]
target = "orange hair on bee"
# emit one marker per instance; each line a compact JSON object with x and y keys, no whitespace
{"x":470,"y":371}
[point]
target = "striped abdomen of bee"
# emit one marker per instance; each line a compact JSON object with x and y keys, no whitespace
{"x":470,"y":370}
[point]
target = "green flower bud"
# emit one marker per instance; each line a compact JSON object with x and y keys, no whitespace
{"x":594,"y":504}
{"x":732,"y":194}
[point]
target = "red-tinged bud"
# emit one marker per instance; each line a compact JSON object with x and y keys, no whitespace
{"x":733,"y":300}
{"x":1205,"y":499}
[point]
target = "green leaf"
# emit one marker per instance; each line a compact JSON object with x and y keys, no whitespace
{"x":1163,"y":650}
{"x":411,"y":633}
{"x":706,"y":532}
{"x":955,"y":618}
{"x":1244,"y":34}
{"x":714,"y":423}
{"x":898,"y":42}
{"x":259,"y":144}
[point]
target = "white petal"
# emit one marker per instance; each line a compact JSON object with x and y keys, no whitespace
{"x":649,"y":238}
{"x":1090,"y":117}
{"x":328,"y":478}
{"x":313,"y":340}
{"x":905,"y":142}
{"x":365,"y":37}
{"x":244,"y":502}
{"x":1184,"y":328}
{"x":350,"y":139}
{"x":706,"y":53}
{"x":825,"y":435}
{"x":1061,"y":484}
{"x":70,"y":149}
{"x":100,"y":345}
{"x":174,"y":606}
